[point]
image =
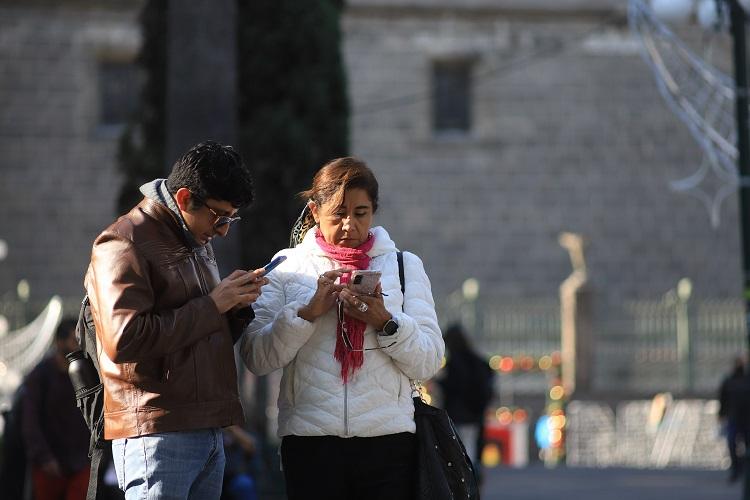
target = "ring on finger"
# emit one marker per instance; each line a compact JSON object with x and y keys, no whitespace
{"x":362,"y":307}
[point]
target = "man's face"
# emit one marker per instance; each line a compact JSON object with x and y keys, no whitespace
{"x":205,"y":218}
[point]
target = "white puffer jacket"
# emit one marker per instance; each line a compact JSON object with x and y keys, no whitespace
{"x":313,"y":400}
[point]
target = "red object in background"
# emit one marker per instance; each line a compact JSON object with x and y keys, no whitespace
{"x":511,"y":439}
{"x":499,"y":434}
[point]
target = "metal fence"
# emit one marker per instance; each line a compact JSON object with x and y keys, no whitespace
{"x":656,"y":346}
{"x":640,"y":347}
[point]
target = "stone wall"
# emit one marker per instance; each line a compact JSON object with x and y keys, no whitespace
{"x":58,"y":178}
{"x":569,"y":134}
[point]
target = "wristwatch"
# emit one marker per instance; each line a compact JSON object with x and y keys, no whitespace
{"x":389,"y":328}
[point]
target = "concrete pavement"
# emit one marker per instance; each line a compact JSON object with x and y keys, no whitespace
{"x":538,"y":483}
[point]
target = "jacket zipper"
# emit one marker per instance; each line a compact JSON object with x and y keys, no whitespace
{"x":204,"y":286}
{"x":204,"y":291}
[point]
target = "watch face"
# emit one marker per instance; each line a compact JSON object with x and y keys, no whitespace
{"x":390,"y":327}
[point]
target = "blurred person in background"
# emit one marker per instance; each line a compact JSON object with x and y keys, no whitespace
{"x":467,"y":386}
{"x":729,"y":392}
{"x":240,"y":450}
{"x":54,"y":433}
{"x":166,"y":325}
{"x":346,"y":415}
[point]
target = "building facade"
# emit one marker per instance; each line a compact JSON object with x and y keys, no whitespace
{"x":493,"y":127}
{"x":66,"y":83}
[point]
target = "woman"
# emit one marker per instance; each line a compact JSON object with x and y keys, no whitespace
{"x":345,"y":406}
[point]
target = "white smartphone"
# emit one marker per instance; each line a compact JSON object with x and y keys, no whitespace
{"x":364,"y":282}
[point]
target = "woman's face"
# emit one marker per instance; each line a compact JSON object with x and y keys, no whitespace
{"x":348,"y":224}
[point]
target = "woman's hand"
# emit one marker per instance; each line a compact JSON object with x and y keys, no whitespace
{"x":325,"y":295}
{"x":370,"y":309}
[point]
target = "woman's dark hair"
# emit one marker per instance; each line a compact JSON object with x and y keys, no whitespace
{"x":331,"y":183}
{"x":213,"y":170}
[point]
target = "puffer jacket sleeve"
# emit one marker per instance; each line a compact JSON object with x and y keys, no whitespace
{"x":272,"y":340}
{"x":417,"y":347}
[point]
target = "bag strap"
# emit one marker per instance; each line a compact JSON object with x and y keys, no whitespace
{"x":415,"y":385}
{"x":400,"y":259}
{"x":96,"y":463}
{"x":81,"y":326}
{"x":96,"y":452}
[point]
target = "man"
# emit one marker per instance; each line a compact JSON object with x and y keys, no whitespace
{"x":166,"y":325}
{"x":55,"y":436}
{"x":730,"y":395}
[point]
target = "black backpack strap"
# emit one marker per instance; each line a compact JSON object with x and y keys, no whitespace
{"x":96,"y":463}
{"x":400,"y":259}
{"x":91,"y":401}
{"x":81,"y":326}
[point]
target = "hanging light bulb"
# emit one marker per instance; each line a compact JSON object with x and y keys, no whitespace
{"x":673,"y":11}
{"x":708,"y":12}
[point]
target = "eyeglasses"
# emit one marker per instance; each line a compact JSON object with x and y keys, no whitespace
{"x":345,"y":334}
{"x":219,"y":220}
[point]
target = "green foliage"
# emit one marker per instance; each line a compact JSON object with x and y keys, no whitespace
{"x":141,"y":149}
{"x":293,"y":109}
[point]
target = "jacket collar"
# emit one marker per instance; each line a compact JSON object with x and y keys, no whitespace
{"x":157,"y":211}
{"x":157,"y":190}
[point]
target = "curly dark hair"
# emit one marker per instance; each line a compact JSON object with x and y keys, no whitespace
{"x":213,"y":170}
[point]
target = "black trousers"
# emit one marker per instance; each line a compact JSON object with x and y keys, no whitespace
{"x":358,"y":468}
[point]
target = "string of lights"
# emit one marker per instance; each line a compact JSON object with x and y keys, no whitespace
{"x":701,"y":96}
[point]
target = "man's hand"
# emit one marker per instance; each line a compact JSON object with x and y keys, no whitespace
{"x":241,"y":288}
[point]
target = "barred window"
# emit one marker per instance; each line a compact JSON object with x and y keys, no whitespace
{"x":118,"y":92}
{"x":451,"y":96}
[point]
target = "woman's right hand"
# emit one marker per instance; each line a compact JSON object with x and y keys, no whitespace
{"x":325,"y":295}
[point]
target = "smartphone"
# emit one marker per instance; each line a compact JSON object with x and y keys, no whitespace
{"x":364,"y":282}
{"x":272,"y":265}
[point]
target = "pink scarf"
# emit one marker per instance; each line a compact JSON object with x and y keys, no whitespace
{"x":352,"y":258}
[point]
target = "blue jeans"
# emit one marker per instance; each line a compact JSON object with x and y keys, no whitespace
{"x":170,"y":465}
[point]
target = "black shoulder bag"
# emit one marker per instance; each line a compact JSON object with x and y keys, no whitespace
{"x":444,"y":470}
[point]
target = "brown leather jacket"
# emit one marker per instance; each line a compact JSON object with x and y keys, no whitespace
{"x":165,"y":353}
